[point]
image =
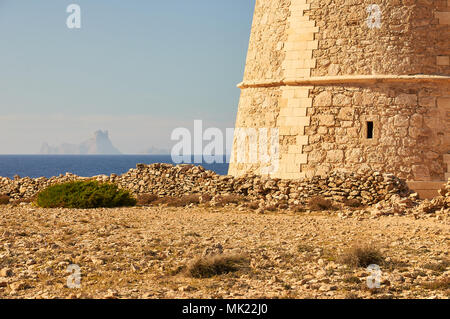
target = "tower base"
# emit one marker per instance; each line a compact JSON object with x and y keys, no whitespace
{"x":425,"y":189}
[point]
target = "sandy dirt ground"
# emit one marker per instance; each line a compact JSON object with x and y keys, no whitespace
{"x":142,"y":253}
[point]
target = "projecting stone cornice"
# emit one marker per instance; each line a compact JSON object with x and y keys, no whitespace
{"x":361,"y":79}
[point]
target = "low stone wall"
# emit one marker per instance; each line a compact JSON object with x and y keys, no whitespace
{"x":168,"y":180}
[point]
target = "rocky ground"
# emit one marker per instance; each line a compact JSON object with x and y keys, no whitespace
{"x":141,"y":253}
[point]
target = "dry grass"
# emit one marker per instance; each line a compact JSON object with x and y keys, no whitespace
{"x":210,"y":266}
{"x":178,"y":201}
{"x":440,"y":284}
{"x":283,"y":205}
{"x":271,"y":208}
{"x":354,"y":203}
{"x":192,"y":234}
{"x":253,"y":205}
{"x":362,"y":256}
{"x":154,"y":265}
{"x":298,"y":209}
{"x":351,"y":296}
{"x":302,"y":248}
{"x":205,"y":198}
{"x":350,"y":279}
{"x":146,"y":199}
{"x":222,"y":201}
{"x":163,"y":200}
{"x":4,"y":199}
{"x":439,"y":266}
{"x":17,"y":202}
{"x":318,"y":203}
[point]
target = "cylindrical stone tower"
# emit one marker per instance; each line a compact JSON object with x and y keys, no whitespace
{"x":347,"y":85}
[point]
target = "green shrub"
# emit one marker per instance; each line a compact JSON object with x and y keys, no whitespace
{"x":84,"y":194}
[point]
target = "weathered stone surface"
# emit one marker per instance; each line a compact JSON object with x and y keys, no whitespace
{"x":323,"y":99}
{"x":168,"y":180}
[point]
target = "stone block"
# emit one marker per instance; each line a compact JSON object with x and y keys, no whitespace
{"x":326,"y":120}
{"x":303,"y":140}
{"x":342,"y":100}
{"x":406,"y":99}
{"x":443,"y":102}
{"x":346,"y":113}
{"x":425,"y":189}
{"x":299,"y":102}
{"x":294,"y":149}
{"x":443,"y":60}
{"x":323,"y":99}
{"x":444,"y":17}
{"x":401,"y":120}
{"x":335,"y":156}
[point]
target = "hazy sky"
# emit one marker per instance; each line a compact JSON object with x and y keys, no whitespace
{"x":136,"y":68}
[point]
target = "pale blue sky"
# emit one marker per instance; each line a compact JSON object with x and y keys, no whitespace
{"x":137,"y":68}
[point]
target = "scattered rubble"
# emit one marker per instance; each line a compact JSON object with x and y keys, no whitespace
{"x":142,"y":252}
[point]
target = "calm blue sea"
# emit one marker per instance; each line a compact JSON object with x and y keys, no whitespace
{"x":82,"y":165}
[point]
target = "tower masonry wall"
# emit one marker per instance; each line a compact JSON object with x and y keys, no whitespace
{"x":411,"y":130}
{"x":258,"y":108}
{"x":265,"y":54}
{"x":413,"y":38}
{"x":323,"y":75}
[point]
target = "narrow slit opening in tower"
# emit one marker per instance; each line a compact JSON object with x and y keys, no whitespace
{"x":369,"y":130}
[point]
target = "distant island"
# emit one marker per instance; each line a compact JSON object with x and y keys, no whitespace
{"x":155,"y":151}
{"x":99,"y":144}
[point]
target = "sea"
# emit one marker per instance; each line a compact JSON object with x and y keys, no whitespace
{"x":84,"y":165}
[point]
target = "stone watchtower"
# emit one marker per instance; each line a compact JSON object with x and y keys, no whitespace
{"x":347,"y":85}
